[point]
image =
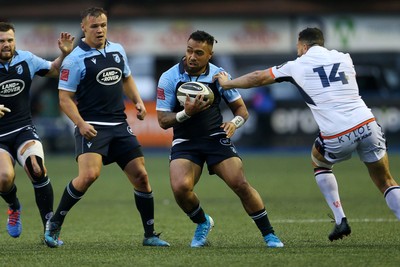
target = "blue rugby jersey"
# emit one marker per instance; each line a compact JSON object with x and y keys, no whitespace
{"x":95,"y":76}
{"x":15,"y":84}
{"x":205,"y":123}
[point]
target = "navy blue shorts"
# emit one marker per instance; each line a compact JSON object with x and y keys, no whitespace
{"x":11,"y":142}
{"x":210,"y":150}
{"x":115,"y":143}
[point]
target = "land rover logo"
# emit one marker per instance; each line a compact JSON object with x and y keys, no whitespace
{"x":11,"y":87}
{"x":109,"y":76}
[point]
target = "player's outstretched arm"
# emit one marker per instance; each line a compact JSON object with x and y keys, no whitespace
{"x":253,"y":79}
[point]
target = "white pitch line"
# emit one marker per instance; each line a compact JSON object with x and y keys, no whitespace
{"x":328,"y":220}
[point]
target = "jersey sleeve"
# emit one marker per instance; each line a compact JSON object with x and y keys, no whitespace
{"x":230,"y":95}
{"x":127,"y":69}
{"x":39,"y":65}
{"x":166,"y":99}
{"x":282,"y":71}
{"x":70,"y":75}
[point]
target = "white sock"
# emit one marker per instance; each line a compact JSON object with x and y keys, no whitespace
{"x":327,"y":183}
{"x":392,"y":197}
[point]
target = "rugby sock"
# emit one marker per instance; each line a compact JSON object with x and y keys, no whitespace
{"x":262,"y":222}
{"x":327,"y":183}
{"x":44,"y":198}
{"x":145,"y":205}
{"x":69,"y":198}
{"x":11,"y":198}
{"x":197,"y":215}
{"x":392,"y":197}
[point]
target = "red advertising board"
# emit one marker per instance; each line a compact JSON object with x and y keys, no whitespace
{"x":148,"y":131}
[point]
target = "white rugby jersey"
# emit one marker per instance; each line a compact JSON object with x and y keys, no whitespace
{"x":327,"y":81}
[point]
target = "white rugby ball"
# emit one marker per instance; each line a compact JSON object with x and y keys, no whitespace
{"x":193,"y":89}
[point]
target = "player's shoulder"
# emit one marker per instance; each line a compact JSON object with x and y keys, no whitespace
{"x":172,"y":71}
{"x":114,"y":46}
{"x":339,"y":54}
{"x":214,"y":69}
{"x":22,"y":55}
{"x":77,"y":52}
{"x":72,"y":58}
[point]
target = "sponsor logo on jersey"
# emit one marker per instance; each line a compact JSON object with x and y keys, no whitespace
{"x":160,"y":93}
{"x":11,"y":88}
{"x":109,"y":76}
{"x":64,"y":75}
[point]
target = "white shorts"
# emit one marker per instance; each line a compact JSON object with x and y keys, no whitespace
{"x":368,"y":140}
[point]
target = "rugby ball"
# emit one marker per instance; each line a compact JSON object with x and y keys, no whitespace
{"x":193,"y":89}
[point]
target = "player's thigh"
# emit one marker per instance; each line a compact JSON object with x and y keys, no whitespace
{"x":6,"y":166}
{"x":90,"y":165}
{"x":333,"y":150}
{"x":231,"y":172}
{"x":184,"y":174}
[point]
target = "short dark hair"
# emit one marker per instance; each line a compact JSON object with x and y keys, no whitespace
{"x":6,"y":26}
{"x":93,"y":12}
{"x":312,"y":36}
{"x":202,"y":36}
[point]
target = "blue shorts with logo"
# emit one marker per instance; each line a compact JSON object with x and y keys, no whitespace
{"x":211,"y":150}
{"x":115,"y":143}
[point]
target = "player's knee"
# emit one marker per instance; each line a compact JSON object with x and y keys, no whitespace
{"x":6,"y":179}
{"x":241,"y":187}
{"x":7,"y":173}
{"x":34,"y":166}
{"x":141,"y":180}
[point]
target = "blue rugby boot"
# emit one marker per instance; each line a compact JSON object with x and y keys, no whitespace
{"x":51,"y":235}
{"x":155,"y":241}
{"x":202,"y":230}
{"x":273,"y":241}
{"x":14,"y":226}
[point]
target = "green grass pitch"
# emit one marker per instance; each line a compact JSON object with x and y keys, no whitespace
{"x":104,"y":228}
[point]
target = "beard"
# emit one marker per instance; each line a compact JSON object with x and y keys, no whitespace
{"x":193,"y":69}
{"x":6,"y":55}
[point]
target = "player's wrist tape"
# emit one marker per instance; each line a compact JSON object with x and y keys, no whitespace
{"x":182,"y":116}
{"x":238,"y":121}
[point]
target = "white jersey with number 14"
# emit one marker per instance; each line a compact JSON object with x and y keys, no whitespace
{"x":327,"y":81}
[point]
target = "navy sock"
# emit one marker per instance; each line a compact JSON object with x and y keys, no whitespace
{"x":69,"y":198}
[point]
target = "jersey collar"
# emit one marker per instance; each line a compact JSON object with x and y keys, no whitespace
{"x":85,"y":47}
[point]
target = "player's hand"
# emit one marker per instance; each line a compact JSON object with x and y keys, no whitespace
{"x":222,"y":78}
{"x":66,"y":42}
{"x":3,"y":110}
{"x":229,"y":128}
{"x":87,"y":130}
{"x":196,"y":105}
{"x":141,"y":111}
